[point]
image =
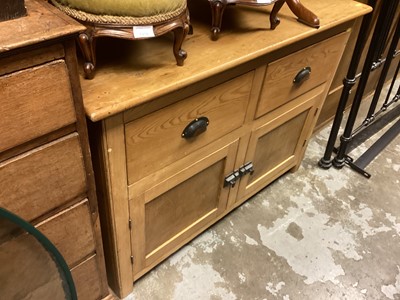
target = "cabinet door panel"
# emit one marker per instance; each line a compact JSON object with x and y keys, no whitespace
{"x":172,"y":212}
{"x":276,"y":146}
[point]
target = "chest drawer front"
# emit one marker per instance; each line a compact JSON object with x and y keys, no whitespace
{"x":34,"y":102}
{"x":43,"y":179}
{"x":22,"y":257}
{"x":31,"y":58}
{"x":71,"y":232}
{"x":87,"y":280}
{"x":279,"y":86}
{"x":155,"y":141}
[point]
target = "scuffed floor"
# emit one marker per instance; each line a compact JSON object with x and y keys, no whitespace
{"x":313,"y":234}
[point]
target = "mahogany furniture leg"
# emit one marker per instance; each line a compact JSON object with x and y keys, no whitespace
{"x":87,"y":44}
{"x":273,"y":18}
{"x":303,"y":14}
{"x":217,"y":10}
{"x":179,"y":36}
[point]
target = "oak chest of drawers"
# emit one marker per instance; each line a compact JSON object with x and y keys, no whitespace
{"x":176,"y":149}
{"x":46,"y":174}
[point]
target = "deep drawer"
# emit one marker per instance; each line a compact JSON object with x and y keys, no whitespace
{"x":34,"y":102}
{"x":87,"y":279}
{"x":279,"y":86}
{"x":155,"y":141}
{"x":71,"y":232}
{"x":38,"y":181}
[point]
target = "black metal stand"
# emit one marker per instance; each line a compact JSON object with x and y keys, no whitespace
{"x":348,"y":82}
{"x":374,"y":57}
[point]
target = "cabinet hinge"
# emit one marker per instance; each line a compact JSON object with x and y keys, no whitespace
{"x":131,"y":259}
{"x":130,"y":224}
{"x":233,"y":177}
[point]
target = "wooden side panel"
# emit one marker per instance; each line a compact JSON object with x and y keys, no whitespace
{"x":71,"y":232}
{"x":155,"y":141}
{"x":279,"y":87}
{"x":117,"y":214}
{"x":43,"y":179}
{"x":34,"y":102}
{"x":87,"y":279}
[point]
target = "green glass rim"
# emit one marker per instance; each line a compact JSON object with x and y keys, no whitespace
{"x":47,"y":244}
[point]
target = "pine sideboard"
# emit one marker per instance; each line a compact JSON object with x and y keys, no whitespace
{"x":177,"y":148}
{"x":46,"y":174}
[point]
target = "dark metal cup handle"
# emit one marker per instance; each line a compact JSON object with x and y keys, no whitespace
{"x":195,"y":127}
{"x":303,"y":75}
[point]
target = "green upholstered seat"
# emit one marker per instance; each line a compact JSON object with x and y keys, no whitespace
{"x":132,"y":8}
{"x":128,"y":19}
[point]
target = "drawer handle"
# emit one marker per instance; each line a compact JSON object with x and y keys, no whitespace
{"x":304,"y":74}
{"x":195,"y":127}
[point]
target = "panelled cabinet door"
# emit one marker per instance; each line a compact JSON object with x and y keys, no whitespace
{"x":178,"y":207}
{"x":277,"y":144}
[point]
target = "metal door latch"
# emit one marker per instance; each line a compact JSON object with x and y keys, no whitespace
{"x":233,"y":177}
{"x":246,"y":168}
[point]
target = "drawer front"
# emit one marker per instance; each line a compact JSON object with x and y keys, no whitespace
{"x":34,"y":102}
{"x":38,"y":181}
{"x":155,"y":141}
{"x":27,"y":270}
{"x":279,"y":86}
{"x":31,"y":58}
{"x":71,"y":232}
{"x":87,"y":279}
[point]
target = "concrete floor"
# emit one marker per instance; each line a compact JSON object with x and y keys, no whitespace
{"x":313,"y":234}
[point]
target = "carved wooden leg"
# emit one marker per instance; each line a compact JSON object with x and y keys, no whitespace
{"x":273,"y":18}
{"x":179,"y":35}
{"x":303,"y":14}
{"x":87,"y":44}
{"x":217,"y":10}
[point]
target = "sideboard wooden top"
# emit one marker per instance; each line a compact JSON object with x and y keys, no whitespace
{"x":43,"y":22}
{"x":130,"y":73}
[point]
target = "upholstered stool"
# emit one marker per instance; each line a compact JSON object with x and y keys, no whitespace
{"x":304,"y":15}
{"x":127,"y":19}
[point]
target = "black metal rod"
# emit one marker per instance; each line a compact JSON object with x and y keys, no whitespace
{"x":345,"y":139}
{"x":388,"y":100}
{"x":383,"y":37}
{"x":382,"y":79}
{"x":373,"y":128}
{"x":348,"y":82}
